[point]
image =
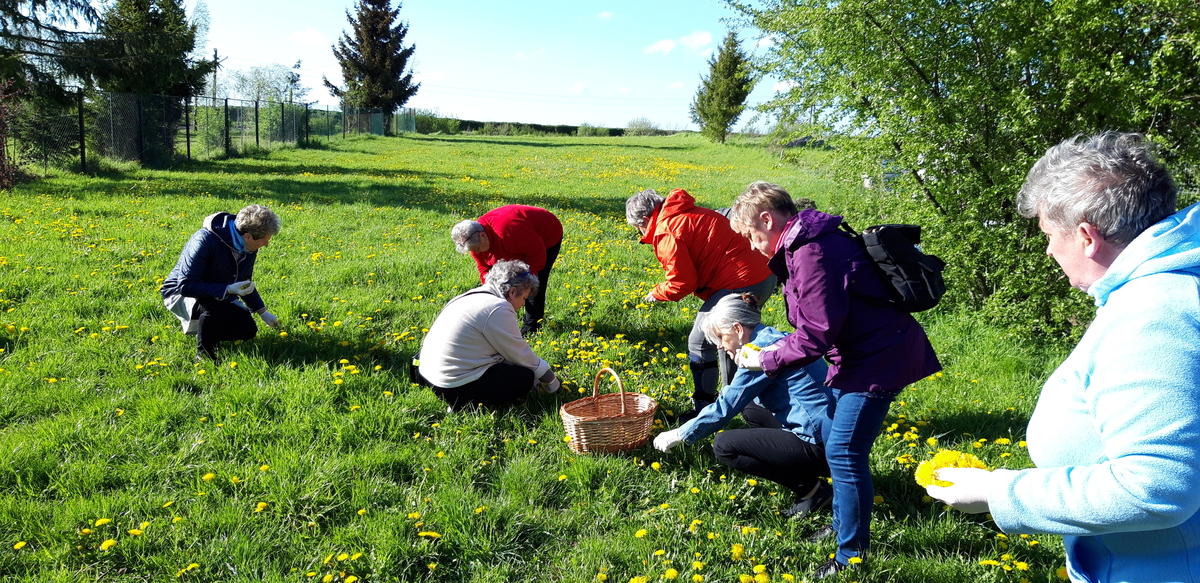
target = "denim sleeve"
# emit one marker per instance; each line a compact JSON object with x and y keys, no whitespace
{"x":734,"y":397}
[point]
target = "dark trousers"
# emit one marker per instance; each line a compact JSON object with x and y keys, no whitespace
{"x":767,"y":451}
{"x":220,"y":322}
{"x":501,"y":385}
{"x":535,"y":305}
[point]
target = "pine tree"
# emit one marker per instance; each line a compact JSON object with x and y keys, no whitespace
{"x":721,"y":97}
{"x":36,"y":38}
{"x":374,"y":60}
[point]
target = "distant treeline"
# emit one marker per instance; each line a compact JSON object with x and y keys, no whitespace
{"x":429,"y":122}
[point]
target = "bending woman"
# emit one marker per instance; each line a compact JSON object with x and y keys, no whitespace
{"x":789,"y":414}
{"x":474,"y":352}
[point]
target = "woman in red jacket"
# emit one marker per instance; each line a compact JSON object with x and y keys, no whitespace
{"x":514,"y":232}
{"x":701,"y":255}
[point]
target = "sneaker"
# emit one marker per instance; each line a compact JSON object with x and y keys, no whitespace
{"x":822,"y":534}
{"x":820,"y":499}
{"x":828,"y":569}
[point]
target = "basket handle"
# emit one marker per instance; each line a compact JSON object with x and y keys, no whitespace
{"x":620,"y":385}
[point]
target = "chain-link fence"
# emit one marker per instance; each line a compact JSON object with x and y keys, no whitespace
{"x":157,"y":130}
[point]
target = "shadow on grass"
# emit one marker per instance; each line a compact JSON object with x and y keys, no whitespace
{"x":518,"y":142}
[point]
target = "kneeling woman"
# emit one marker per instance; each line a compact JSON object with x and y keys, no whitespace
{"x":789,"y":414}
{"x":474,"y":353}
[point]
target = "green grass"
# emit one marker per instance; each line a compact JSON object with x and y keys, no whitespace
{"x":316,"y":445}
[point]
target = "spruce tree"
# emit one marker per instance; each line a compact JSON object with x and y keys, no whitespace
{"x":721,"y":97}
{"x":374,"y":60}
{"x":144,"y":47}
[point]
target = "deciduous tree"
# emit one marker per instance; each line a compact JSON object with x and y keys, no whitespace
{"x":721,"y":97}
{"x":947,"y":105}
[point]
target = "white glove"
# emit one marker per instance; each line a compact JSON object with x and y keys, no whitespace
{"x":269,"y":319}
{"x":649,"y":299}
{"x":548,"y":384}
{"x":667,"y":440}
{"x":749,"y":356}
{"x":239,"y":288}
{"x":550,"y":388}
{"x":969,"y":492}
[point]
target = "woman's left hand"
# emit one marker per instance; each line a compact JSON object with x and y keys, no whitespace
{"x":968,"y":492}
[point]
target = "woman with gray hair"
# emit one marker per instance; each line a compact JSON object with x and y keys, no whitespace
{"x":701,"y":255}
{"x":788,"y":414}
{"x":474,"y":352}
{"x":1115,"y":434}
{"x":211,"y":289}
{"x":514,"y":232}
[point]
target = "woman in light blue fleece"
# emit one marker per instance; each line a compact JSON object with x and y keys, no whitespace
{"x":789,"y":415}
{"x":1116,"y":432}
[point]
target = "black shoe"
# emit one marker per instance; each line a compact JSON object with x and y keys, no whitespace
{"x":828,"y":569}
{"x":822,"y":534}
{"x":820,"y":499}
{"x":687,"y":416}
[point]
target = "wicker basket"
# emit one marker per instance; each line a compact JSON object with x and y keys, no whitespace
{"x":608,"y":423}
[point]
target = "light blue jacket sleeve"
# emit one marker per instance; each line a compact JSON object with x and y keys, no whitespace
{"x":1117,"y":427}
{"x":734,"y":397}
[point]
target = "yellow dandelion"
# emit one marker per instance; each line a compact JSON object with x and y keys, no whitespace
{"x":260,"y":506}
{"x":855,"y":560}
{"x":135,"y":532}
{"x":107,"y":544}
{"x":264,"y":468}
{"x":601,"y":576}
{"x":429,"y":534}
{"x":343,"y":556}
{"x":737,"y":551}
{"x":208,"y":477}
{"x":562,"y":477}
{"x":760,"y":569}
{"x":20,"y":545}
{"x":1061,"y":573}
{"x":762,"y":578}
{"x":945,"y":459}
{"x":641,"y":533}
{"x":697,"y":578}
{"x":670,"y":574}
{"x":362,"y":511}
{"x":102,"y":521}
{"x":655,"y":466}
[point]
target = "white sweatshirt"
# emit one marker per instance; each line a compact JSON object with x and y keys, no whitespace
{"x":474,"y":331}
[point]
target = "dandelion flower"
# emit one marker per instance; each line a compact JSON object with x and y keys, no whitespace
{"x":208,"y":477}
{"x":135,"y":532}
{"x":264,"y":468}
{"x":762,"y":578}
{"x":107,"y":544}
{"x":855,"y":560}
{"x":601,"y":576}
{"x":102,"y":521}
{"x":760,"y":568}
{"x":945,"y":459}
{"x":260,"y":506}
{"x":562,"y":477}
{"x":641,"y":533}
{"x":697,"y":578}
{"x":20,"y":545}
{"x":656,"y":466}
{"x":362,"y":511}
{"x":430,"y":534}
{"x":737,"y":551}
{"x":1061,"y":573}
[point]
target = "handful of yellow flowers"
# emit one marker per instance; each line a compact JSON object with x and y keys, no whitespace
{"x":946,"y":459}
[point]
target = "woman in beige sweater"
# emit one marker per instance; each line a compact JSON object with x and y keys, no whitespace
{"x":474,"y":352}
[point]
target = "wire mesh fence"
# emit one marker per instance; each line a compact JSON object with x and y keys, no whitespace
{"x":158,"y":130}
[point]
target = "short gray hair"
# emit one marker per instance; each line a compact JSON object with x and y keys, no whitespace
{"x":509,"y":275}
{"x":740,"y":308}
{"x":258,"y":220}
{"x":640,"y":206}
{"x":464,"y":233}
{"x":1112,"y":181}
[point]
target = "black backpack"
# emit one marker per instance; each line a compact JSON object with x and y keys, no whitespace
{"x":916,"y":277}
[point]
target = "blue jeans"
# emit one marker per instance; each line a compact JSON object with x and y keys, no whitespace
{"x":856,"y":423}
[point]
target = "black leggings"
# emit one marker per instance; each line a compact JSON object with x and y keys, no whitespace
{"x":222,"y":321}
{"x":535,"y":305}
{"x":501,"y":385}
{"x":769,"y":452}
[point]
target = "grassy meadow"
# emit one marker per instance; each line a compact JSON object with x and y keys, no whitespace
{"x":305,"y":454}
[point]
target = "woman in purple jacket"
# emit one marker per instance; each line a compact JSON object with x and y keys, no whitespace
{"x":838,"y":302}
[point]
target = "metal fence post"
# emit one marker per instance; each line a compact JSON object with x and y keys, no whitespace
{"x":228,"y":144}
{"x":82,"y":137}
{"x":306,"y":125}
{"x":141,"y":133}
{"x":187,"y":125}
{"x":255,"y":123}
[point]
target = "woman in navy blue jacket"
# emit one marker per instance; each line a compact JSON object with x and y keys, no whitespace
{"x":212,"y":290}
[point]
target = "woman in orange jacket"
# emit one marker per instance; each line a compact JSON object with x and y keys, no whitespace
{"x":701,"y":255}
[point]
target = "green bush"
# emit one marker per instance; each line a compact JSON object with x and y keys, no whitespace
{"x":642,"y":126}
{"x":589,"y":130}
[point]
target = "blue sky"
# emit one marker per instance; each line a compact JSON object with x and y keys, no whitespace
{"x":550,"y":62}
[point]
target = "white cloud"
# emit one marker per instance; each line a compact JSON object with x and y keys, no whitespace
{"x":785,"y":85}
{"x":604,"y":15}
{"x":707,"y":52}
{"x":663,"y":46}
{"x":696,"y":39}
{"x":577,"y":88}
{"x":309,"y":38}
{"x":676,"y":85}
